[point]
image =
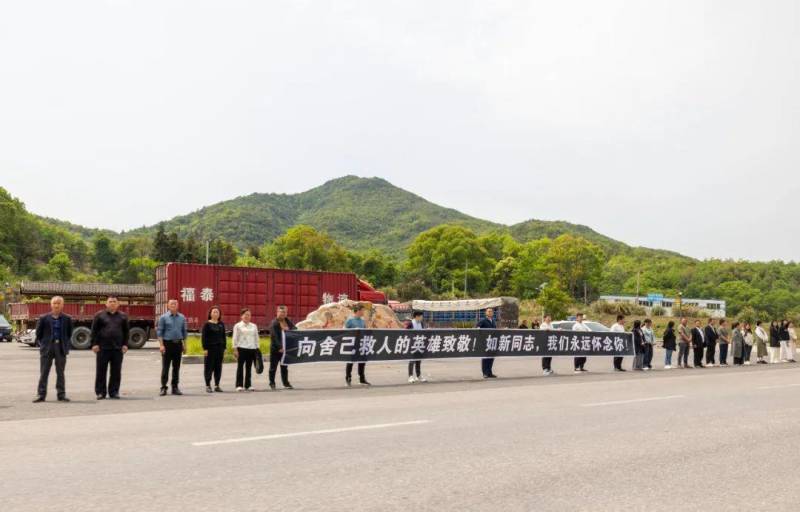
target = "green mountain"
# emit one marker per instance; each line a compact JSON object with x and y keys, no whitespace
{"x":359,"y":213}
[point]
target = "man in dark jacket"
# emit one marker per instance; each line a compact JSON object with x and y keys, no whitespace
{"x":488,"y":322}
{"x":279,"y":324}
{"x":110,"y":342}
{"x":53,"y":334}
{"x":698,"y":344}
{"x":711,"y":342}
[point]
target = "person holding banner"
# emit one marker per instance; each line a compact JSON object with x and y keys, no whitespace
{"x":547,"y":362}
{"x":245,"y":348}
{"x":580,"y":362}
{"x":488,"y":362}
{"x":416,"y":323}
{"x":356,"y":322}
{"x":280,"y":324}
{"x":619,"y":327}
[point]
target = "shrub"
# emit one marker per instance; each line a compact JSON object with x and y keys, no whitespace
{"x":658,"y":311}
{"x":617,"y":308}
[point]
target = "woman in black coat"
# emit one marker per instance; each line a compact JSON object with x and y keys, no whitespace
{"x":669,"y":344}
{"x":214,"y":343}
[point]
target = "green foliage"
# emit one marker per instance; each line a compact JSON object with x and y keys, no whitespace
{"x":60,"y":267}
{"x":104,"y":257}
{"x":575,"y":263}
{"x":414,"y":289}
{"x":555,"y":302}
{"x":375,"y":267}
{"x":442,"y":255}
{"x":303,"y":247}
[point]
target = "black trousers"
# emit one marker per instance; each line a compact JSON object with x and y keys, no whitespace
{"x":54,"y":353}
{"x":580,"y":362}
{"x":618,"y":363}
{"x":723,"y":353}
{"x":274,"y":362}
{"x":362,"y":369}
{"x":711,"y":351}
{"x":415,"y":365}
{"x":487,"y":364}
{"x":171,"y":357}
{"x":748,"y":349}
{"x":212,"y":364}
{"x":244,"y":367}
{"x":698,"y":355}
{"x":108,"y":358}
{"x":547,"y":363}
{"x":648,"y":355}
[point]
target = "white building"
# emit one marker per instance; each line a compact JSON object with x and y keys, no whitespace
{"x":715,"y":308}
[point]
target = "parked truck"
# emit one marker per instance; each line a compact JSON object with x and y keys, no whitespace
{"x":82,"y":301}
{"x":198,"y":287}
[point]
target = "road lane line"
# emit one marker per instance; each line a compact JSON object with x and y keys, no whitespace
{"x":311,"y":433}
{"x":636,"y":400}
{"x":781,"y":386}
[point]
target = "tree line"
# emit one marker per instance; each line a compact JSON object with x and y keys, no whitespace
{"x":445,"y":262}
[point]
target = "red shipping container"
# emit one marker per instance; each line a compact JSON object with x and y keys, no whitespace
{"x":198,"y":287}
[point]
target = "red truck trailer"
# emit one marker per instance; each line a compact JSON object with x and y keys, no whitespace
{"x":82,"y":301}
{"x":198,"y":287}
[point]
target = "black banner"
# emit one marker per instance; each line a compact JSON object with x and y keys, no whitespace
{"x":362,"y":345}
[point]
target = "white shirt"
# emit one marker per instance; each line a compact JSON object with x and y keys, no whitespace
{"x":415,"y":324}
{"x":617,"y":328}
{"x":762,"y":334}
{"x":579,"y":326}
{"x":546,"y":327}
{"x":245,"y":335}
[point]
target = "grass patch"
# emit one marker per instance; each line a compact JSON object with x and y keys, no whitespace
{"x":194,"y":347}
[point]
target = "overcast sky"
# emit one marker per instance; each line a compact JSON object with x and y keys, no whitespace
{"x":668,"y":124}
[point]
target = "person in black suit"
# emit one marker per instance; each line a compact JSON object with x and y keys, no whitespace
{"x":698,"y":344}
{"x":488,"y":322}
{"x":53,"y":334}
{"x":110,"y":331}
{"x":711,"y":336}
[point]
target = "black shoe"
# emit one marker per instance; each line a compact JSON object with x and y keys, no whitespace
{"x":272,"y":386}
{"x":492,"y":376}
{"x":348,"y":382}
{"x":176,"y":391}
{"x":63,"y":399}
{"x":486,"y":377}
{"x":38,"y":400}
{"x":584,"y":370}
{"x":113,"y":397}
{"x":218,"y":389}
{"x":101,"y":397}
{"x":163,"y":392}
{"x":209,"y":390}
{"x":365,"y":383}
{"x":288,"y":386}
{"x":620,"y":370}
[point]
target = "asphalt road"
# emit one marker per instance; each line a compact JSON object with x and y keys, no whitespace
{"x":711,"y":440}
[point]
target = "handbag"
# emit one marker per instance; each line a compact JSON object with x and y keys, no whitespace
{"x":259,"y":362}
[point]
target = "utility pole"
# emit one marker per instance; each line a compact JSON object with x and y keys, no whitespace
{"x":466,"y":269}
{"x":207,"y":248}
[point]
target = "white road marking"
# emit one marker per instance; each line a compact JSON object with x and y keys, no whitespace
{"x":781,"y":386}
{"x":636,"y":400}
{"x":311,"y":433}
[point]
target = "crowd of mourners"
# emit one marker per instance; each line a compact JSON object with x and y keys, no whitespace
{"x":110,"y":330}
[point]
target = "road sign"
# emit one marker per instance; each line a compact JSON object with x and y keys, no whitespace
{"x":655,"y":297}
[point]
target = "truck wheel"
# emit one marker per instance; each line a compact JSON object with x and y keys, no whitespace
{"x":137,"y":337}
{"x":81,"y":338}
